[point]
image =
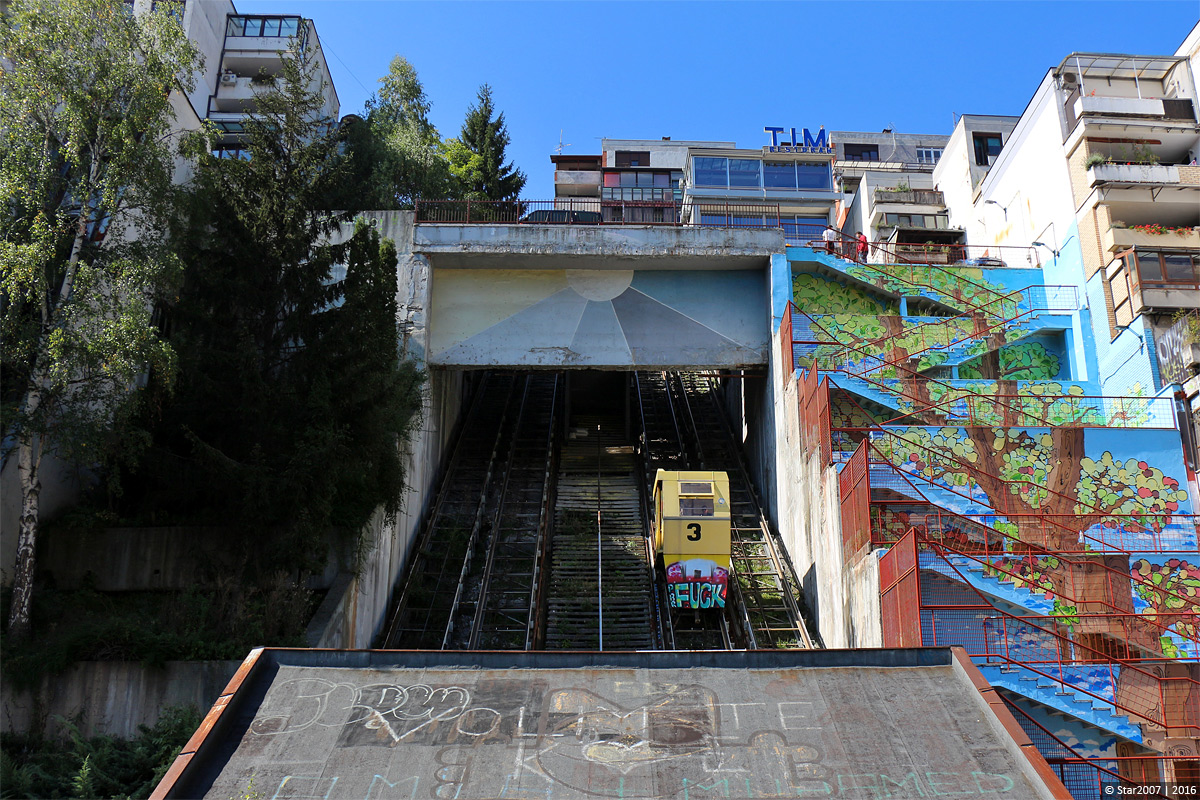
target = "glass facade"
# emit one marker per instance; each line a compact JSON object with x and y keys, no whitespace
{"x":262,"y":26}
{"x":753,"y":173}
{"x":917,"y":220}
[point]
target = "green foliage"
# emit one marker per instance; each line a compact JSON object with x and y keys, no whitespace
{"x":84,"y":121}
{"x":101,"y":766}
{"x":220,"y":620}
{"x":1096,"y":159}
{"x":477,"y":156}
{"x":292,"y":402}
{"x":1024,"y":460}
{"x":960,"y":287}
{"x":396,"y":154}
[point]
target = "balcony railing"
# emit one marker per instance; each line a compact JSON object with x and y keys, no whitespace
{"x":1134,"y":173}
{"x":926,"y":197}
{"x":587,"y":211}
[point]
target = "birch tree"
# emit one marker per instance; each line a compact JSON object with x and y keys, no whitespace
{"x":86,"y":172}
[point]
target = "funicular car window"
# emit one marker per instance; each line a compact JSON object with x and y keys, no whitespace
{"x":695,"y":506}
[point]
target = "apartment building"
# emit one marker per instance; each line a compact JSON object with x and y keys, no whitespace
{"x":886,"y":181}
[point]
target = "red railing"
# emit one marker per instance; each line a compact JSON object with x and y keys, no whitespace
{"x":1086,"y":777}
{"x":969,"y":408}
{"x":1033,"y":491}
{"x":814,"y":415}
{"x":901,"y":253}
{"x":900,"y":594}
{"x":854,"y":489}
{"x":1095,"y":610}
{"x":1125,"y":534}
{"x":966,"y":618}
{"x":787,"y":348}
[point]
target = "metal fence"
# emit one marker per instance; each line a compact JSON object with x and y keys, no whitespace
{"x":596,"y":211}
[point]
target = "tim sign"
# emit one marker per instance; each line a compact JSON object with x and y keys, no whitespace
{"x":807,"y":144}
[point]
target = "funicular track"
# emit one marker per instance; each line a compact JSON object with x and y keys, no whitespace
{"x":499,"y":606}
{"x":662,"y":448}
{"x":765,"y":613}
{"x":497,"y":472}
{"x":599,"y":587}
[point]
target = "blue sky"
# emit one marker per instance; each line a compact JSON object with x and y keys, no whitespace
{"x":714,"y":70}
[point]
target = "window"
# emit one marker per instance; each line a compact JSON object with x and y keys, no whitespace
{"x":710,"y":171}
{"x":1166,"y":269}
{"x":779,"y":174}
{"x":803,"y":229}
{"x":928,"y":155}
{"x":696,"y":507}
{"x":691,"y":506}
{"x":262,"y":26}
{"x":987,"y":147}
{"x":813,"y":175}
{"x":1118,"y":284}
{"x":861,"y":152}
{"x":917,"y":220}
{"x":235,"y":152}
{"x":633,"y":158}
{"x":743,"y":173}
{"x":612,"y":179}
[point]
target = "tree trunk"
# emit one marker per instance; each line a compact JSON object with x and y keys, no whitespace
{"x":27,"y":466}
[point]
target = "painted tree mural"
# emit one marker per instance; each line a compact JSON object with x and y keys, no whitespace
{"x":1173,"y":592}
{"x":1019,"y":362}
{"x":1050,"y":493}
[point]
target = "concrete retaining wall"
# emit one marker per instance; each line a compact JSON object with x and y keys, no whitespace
{"x":133,"y":559}
{"x":113,"y":697}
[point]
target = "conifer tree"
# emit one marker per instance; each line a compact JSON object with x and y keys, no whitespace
{"x":292,"y":401}
{"x":477,"y":156}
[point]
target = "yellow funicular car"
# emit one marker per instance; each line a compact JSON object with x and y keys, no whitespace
{"x":692,"y":533}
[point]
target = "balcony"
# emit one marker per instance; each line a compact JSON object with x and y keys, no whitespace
{"x":1101,"y":106}
{"x":1117,"y":239}
{"x":1154,"y":280}
{"x":924,"y":197}
{"x":239,"y":94}
{"x":253,"y":43}
{"x":1151,"y":174}
{"x":576,"y":182}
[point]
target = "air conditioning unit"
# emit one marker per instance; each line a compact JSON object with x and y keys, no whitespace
{"x":228,"y":77}
{"x":1069,"y":79}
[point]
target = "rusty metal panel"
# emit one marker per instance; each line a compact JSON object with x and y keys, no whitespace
{"x":900,"y":594}
{"x":854,"y":487}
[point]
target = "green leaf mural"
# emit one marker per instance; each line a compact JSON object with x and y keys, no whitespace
{"x":1173,"y":592}
{"x":812,"y":293}
{"x":1023,"y":362}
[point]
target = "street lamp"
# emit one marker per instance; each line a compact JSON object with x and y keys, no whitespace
{"x":1002,"y":208}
